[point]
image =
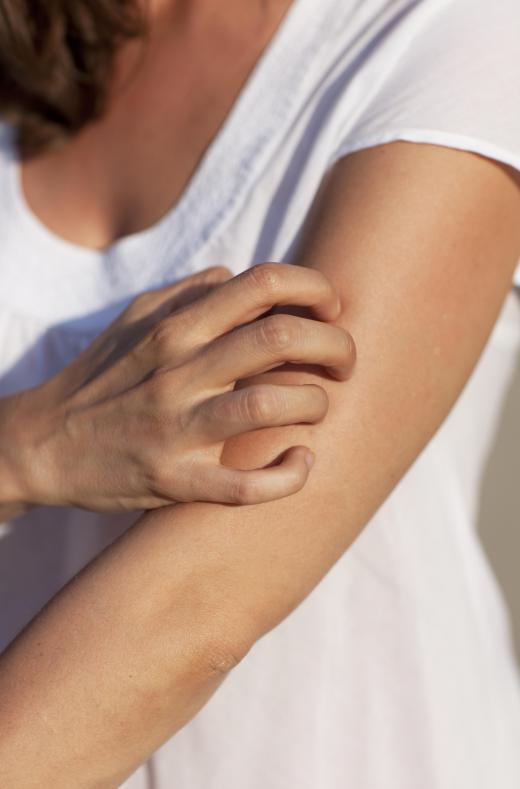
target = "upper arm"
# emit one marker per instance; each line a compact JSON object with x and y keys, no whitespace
{"x":421,"y":243}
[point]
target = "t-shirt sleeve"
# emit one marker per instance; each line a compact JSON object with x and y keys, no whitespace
{"x":456,"y":82}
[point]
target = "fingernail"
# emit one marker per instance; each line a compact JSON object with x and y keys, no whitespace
{"x":309,"y":459}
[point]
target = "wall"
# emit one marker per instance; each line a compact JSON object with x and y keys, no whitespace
{"x":499,"y":518}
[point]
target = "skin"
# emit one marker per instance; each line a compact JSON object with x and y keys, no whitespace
{"x":164,"y":373}
{"x":203,"y":565}
{"x":421,"y":280}
{"x":66,"y":443}
{"x":211,"y":48}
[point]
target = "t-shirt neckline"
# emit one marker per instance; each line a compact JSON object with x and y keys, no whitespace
{"x":258,"y":114}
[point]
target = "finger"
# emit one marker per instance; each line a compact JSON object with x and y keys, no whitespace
{"x":269,"y":342}
{"x":262,"y":405}
{"x":196,"y":286}
{"x":160,"y":302}
{"x":125,"y":365}
{"x":234,"y":486}
{"x":246,"y":296}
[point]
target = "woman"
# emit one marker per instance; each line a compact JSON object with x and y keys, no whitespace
{"x":308,"y":120}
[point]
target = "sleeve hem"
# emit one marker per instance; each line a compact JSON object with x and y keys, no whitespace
{"x":433,"y":137}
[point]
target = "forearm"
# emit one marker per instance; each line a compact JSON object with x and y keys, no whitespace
{"x":118,"y":661}
{"x":132,"y":648}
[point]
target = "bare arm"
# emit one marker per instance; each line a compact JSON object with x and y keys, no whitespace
{"x":421,"y":243}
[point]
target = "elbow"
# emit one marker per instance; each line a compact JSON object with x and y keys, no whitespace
{"x":223,"y":654}
{"x":217,"y":626}
{"x":224,"y":648}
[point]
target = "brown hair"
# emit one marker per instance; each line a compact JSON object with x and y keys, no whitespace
{"x":56,"y":58}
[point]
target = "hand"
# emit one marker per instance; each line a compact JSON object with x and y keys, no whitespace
{"x":139,"y":419}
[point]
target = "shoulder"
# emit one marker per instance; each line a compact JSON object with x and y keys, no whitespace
{"x":444,"y":72}
{"x":459,"y":29}
{"x":385,"y":35}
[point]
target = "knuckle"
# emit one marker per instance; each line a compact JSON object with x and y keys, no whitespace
{"x":217,"y":272}
{"x":156,"y":392}
{"x":242,"y":490}
{"x":139,"y":306}
{"x":134,"y":353}
{"x":277,"y":332}
{"x":144,"y":298}
{"x":164,"y":476}
{"x":182,"y":325}
{"x":168,"y":410}
{"x":259,"y":405}
{"x":222,"y":408}
{"x":155,"y":478}
{"x":144,"y":302}
{"x":158,"y":412}
{"x":164,"y":339}
{"x":161,"y":486}
{"x":267,"y":277}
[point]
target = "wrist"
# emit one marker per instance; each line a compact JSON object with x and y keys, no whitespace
{"x":14,"y":455}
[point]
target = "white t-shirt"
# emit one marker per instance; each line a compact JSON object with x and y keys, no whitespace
{"x":397,"y":672}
